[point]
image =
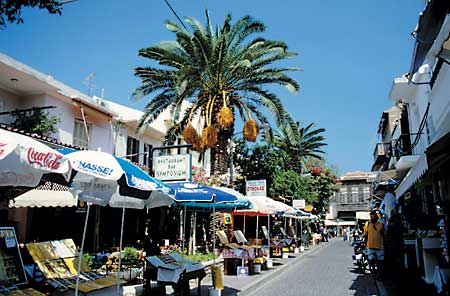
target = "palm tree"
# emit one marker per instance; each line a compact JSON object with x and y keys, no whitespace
{"x":300,"y":144}
{"x":222,"y":74}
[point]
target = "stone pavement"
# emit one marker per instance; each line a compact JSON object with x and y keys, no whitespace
{"x":245,"y":285}
{"x":237,"y":285}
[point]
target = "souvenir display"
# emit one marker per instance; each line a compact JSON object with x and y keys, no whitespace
{"x":11,"y":266}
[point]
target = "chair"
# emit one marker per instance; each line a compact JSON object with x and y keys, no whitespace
{"x":287,"y":240}
{"x":224,"y":240}
{"x":58,"y":264}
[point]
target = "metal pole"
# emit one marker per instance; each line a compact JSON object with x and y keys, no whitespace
{"x":257,"y":222}
{"x":120,"y":252}
{"x":80,"y":254}
{"x":268,"y":232}
{"x":214,"y":247}
{"x":184,"y":232}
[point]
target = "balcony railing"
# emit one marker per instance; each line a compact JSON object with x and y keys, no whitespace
{"x":402,"y":146}
{"x":381,"y":153}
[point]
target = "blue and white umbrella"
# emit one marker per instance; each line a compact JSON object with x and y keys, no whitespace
{"x":103,"y":179}
{"x":193,"y":192}
{"x":240,"y":203}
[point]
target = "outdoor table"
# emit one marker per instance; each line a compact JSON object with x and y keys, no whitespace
{"x":232,"y":258}
{"x":276,"y":248}
{"x":181,"y":286}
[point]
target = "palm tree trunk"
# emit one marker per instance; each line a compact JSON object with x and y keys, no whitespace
{"x":220,"y":154}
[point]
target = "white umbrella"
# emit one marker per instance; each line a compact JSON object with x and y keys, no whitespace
{"x":24,"y":161}
{"x":104,"y":179}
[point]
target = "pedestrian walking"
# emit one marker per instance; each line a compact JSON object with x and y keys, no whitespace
{"x":306,"y":237}
{"x":374,"y":240}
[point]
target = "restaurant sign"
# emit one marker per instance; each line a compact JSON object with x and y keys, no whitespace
{"x":299,"y":203}
{"x":173,"y":167}
{"x":256,"y":188}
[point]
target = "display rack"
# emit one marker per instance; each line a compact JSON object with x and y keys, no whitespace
{"x":12,"y":273}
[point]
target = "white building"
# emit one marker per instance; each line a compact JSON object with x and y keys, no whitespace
{"x":87,"y":122}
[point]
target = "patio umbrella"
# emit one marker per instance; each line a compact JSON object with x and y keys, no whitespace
{"x":198,"y":196}
{"x":103,"y":179}
{"x":189,"y":191}
{"x":261,"y":206}
{"x":24,"y":161}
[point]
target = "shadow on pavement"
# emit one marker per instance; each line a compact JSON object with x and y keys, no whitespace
{"x":364,"y":285}
{"x":205,"y":288}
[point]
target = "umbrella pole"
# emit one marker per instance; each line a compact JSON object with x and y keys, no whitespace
{"x":244,"y":225}
{"x":120,"y":252}
{"x":184,"y":232}
{"x":214,"y":249}
{"x":80,"y":254}
{"x":257,"y":222}
{"x":268,"y":232}
{"x":301,"y":230}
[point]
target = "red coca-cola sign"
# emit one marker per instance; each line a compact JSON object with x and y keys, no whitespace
{"x":1,"y":148}
{"x":47,"y":160}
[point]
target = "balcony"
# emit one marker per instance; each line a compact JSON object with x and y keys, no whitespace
{"x":381,"y":154}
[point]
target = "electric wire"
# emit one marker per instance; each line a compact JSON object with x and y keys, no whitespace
{"x":175,"y":13}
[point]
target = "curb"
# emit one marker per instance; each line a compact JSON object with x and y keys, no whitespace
{"x":280,"y":270}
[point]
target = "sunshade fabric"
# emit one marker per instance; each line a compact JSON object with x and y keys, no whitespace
{"x":104,"y":179}
{"x":44,"y":198}
{"x":261,"y":206}
{"x":189,"y":192}
{"x":24,"y":160}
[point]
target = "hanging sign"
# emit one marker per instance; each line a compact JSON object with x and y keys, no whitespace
{"x":299,"y":203}
{"x":173,"y":167}
{"x":227,"y":219}
{"x":256,"y":188}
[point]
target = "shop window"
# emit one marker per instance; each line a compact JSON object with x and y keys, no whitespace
{"x":133,"y":149}
{"x":80,"y":137}
{"x":147,"y":154}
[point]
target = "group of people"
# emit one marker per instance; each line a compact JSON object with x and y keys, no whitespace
{"x":382,"y":240}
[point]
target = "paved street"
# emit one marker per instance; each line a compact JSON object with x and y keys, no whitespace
{"x":329,"y":271}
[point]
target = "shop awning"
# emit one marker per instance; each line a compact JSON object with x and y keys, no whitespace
{"x":438,"y":152}
{"x":340,"y":223}
{"x":44,"y":198}
{"x":414,"y":174}
{"x":363,"y":215}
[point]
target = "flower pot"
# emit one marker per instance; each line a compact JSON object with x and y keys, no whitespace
{"x":269,"y":263}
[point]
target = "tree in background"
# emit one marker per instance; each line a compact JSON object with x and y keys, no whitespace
{"x":35,"y":121}
{"x":300,"y":144}
{"x":10,"y":10}
{"x":316,"y":184}
{"x":322,"y":184}
{"x":222,"y":73}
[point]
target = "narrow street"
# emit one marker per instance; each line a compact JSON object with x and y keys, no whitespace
{"x":326,"y":272}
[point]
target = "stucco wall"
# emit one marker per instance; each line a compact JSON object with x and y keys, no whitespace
{"x":439,"y":117}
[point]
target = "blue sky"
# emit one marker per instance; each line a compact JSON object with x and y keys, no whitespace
{"x":350,"y":52}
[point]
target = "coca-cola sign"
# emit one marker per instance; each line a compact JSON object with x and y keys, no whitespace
{"x":46,"y":160}
{"x":2,"y":150}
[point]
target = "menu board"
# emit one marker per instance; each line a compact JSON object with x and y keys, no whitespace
{"x":11,"y":266}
